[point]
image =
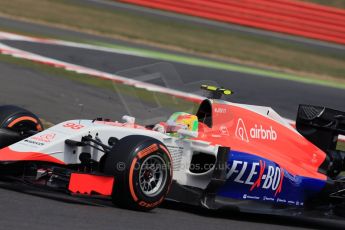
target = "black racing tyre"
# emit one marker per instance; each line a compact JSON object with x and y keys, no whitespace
{"x":15,"y":123}
{"x":18,"y":119}
{"x":142,"y":169}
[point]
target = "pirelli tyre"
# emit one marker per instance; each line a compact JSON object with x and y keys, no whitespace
{"x":15,"y":123}
{"x":143,"y":173}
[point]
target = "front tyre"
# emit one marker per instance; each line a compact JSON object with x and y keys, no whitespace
{"x":143,"y":173}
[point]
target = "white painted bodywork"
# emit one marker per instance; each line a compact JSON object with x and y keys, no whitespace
{"x":52,"y":142}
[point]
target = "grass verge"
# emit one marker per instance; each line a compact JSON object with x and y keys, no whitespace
{"x":143,"y":95}
{"x":225,"y":45}
{"x":332,"y":3}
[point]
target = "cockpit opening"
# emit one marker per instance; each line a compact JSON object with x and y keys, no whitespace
{"x":204,"y":113}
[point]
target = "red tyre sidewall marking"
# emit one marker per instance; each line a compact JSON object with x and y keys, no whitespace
{"x":131,"y":188}
{"x":147,"y":151}
{"x":143,"y":153}
{"x":26,"y":118}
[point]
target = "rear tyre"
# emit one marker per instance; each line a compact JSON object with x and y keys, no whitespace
{"x":15,"y":121}
{"x":143,"y":173}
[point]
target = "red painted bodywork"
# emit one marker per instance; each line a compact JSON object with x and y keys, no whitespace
{"x":91,"y":184}
{"x":8,"y":154}
{"x":290,"y":149}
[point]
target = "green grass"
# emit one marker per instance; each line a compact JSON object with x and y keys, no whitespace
{"x":333,"y":3}
{"x":42,"y":34}
{"x":220,"y":44}
{"x":305,"y":78}
{"x":165,"y":100}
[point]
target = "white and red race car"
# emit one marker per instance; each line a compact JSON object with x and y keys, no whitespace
{"x":226,"y":155}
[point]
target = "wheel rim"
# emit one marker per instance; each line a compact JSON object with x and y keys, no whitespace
{"x":152,"y":175}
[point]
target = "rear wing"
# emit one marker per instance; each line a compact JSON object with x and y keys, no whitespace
{"x":320,"y":125}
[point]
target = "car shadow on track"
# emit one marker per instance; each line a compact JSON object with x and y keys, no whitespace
{"x":321,"y":223}
{"x":292,"y":221}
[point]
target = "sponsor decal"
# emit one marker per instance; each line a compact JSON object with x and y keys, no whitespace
{"x":34,"y":142}
{"x":291,"y":202}
{"x":150,"y":205}
{"x":258,"y":132}
{"x":73,"y":126}
{"x":257,"y":175}
{"x":250,"y":175}
{"x":220,"y":110}
{"x":265,"y":198}
{"x":241,"y":131}
{"x":314,"y":159}
{"x":46,"y":138}
{"x":248,"y":197}
{"x":224,"y":130}
{"x":279,"y":200}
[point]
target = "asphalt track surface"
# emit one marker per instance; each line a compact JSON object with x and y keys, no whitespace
{"x":56,"y":99}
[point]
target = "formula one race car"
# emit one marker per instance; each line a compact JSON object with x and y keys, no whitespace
{"x":226,"y":155}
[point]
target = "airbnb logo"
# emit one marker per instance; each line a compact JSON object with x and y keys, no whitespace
{"x":256,"y":132}
{"x":241,"y":131}
{"x":263,"y":134}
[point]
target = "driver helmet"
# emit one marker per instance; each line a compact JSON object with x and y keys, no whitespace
{"x":182,"y":120}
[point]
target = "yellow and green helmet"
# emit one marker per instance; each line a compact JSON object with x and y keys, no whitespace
{"x":190,"y":121}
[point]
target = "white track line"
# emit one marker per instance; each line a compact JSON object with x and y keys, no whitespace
{"x":16,"y":37}
{"x":5,"y":49}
